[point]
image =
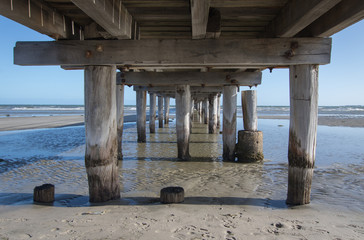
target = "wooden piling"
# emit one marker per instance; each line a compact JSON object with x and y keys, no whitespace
{"x":229,"y":122}
{"x":152,"y":112}
{"x":101,"y":133}
{"x":141,"y":104}
{"x":218,"y":111}
{"x":166,"y":110}
{"x":160,"y":111}
{"x":302,"y":132}
{"x":44,"y":193}
{"x":191,"y":114}
{"x":205,"y":109}
{"x":212,"y":113}
{"x":183,"y":108}
{"x":249,"y":107}
{"x":120,"y":117}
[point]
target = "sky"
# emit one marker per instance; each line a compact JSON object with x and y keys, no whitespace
{"x":340,"y":83}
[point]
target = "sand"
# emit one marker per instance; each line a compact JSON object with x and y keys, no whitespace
{"x":223,"y":200}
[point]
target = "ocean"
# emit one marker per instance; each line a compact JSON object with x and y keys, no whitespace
{"x":56,"y":155}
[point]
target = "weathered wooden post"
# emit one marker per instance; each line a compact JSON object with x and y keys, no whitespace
{"x":218,"y":111}
{"x":166,"y":110}
{"x":152,"y":112}
{"x":302,"y":132}
{"x":120,"y":117}
{"x":44,"y":193}
{"x":199,"y":111}
{"x":183,"y":108}
{"x":229,"y":122}
{"x":160,"y":111}
{"x":101,"y":133}
{"x":191,"y":114}
{"x":250,"y":141}
{"x":205,"y":109}
{"x":141,"y":104}
{"x":213,"y":113}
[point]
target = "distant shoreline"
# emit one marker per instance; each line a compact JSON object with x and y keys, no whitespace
{"x":23,"y":123}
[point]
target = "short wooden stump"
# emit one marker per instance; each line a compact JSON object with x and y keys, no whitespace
{"x":44,"y":193}
{"x":250,"y":146}
{"x":172,"y":195}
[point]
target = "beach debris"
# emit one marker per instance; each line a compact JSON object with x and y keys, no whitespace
{"x":44,"y":193}
{"x":172,"y":195}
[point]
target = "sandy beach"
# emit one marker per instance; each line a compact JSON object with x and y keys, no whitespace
{"x":222,"y":200}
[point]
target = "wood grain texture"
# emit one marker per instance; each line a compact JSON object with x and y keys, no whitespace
{"x":120,"y":117}
{"x":111,"y":15}
{"x":212,"y":81}
{"x":249,"y":108}
{"x":101,"y":133}
{"x":344,"y":14}
{"x":183,"y":109}
{"x":229,"y":122}
{"x":297,"y":15}
{"x":199,"y":17}
{"x":248,"y":52}
{"x":302,"y":132}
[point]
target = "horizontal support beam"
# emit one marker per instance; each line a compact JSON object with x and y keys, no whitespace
{"x":172,"y":89}
{"x":199,"y":17}
{"x":346,"y":13}
{"x":297,"y":15}
{"x":110,"y":15}
{"x":208,"y":52}
{"x":190,"y":78}
{"x":40,"y":17}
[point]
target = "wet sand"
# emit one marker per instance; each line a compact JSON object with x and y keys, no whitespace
{"x":222,"y":200}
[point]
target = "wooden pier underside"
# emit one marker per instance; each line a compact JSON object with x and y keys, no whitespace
{"x":191,"y":50}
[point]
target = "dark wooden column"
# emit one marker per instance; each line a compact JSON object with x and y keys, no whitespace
{"x":152,"y":112}
{"x":213,"y":113}
{"x":101,"y":133}
{"x":302,"y":132}
{"x":160,"y":111}
{"x":141,"y":104}
{"x":183,"y":109}
{"x":120,"y":117}
{"x":166,"y":110}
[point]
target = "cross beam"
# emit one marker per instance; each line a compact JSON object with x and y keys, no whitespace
{"x":190,"y":78}
{"x":173,"y":89}
{"x":208,"y":52}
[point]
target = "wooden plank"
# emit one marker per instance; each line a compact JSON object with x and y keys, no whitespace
{"x":207,"y":52}
{"x":109,"y":14}
{"x":346,"y":13}
{"x":297,"y":15}
{"x":101,"y":133}
{"x":199,"y":17}
{"x":302,"y":132}
{"x":201,"y":79}
{"x":183,"y":108}
{"x":229,"y":122}
{"x":40,"y":17}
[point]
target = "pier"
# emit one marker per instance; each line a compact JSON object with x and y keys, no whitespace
{"x":198,"y":52}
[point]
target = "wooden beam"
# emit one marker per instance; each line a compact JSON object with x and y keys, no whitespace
{"x":296,"y":15}
{"x":199,"y":17}
{"x":40,"y":17}
{"x":207,"y":52}
{"x":152,"y":112}
{"x":141,"y":104}
{"x":249,"y":109}
{"x":207,"y":79}
{"x":120,"y":117}
{"x":212,"y":113}
{"x":229,"y":122}
{"x":213,"y":29}
{"x":111,"y":15}
{"x":346,"y":13}
{"x":172,"y":89}
{"x":160,"y":112}
{"x":166,"y":110}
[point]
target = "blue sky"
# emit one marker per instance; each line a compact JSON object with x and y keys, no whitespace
{"x":340,"y":83}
